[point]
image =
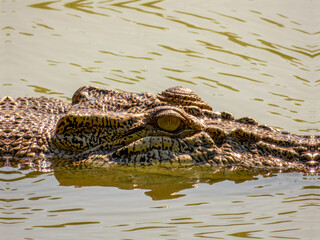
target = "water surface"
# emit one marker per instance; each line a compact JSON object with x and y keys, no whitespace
{"x":91,"y":204}
{"x":251,"y":58}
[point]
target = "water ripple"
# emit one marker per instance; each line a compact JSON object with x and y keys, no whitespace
{"x":214,"y":48}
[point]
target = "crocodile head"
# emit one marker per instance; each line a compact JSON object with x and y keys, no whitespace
{"x":102,"y":127}
{"x":176,"y":126}
{"x":135,"y":128}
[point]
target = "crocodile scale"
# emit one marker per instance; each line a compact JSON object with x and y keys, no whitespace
{"x":102,"y":127}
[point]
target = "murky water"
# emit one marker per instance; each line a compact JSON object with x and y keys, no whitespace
{"x":251,"y":58}
{"x":93,"y":204}
{"x":254,"y":59}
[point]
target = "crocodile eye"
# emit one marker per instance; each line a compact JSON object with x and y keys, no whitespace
{"x":169,"y":123}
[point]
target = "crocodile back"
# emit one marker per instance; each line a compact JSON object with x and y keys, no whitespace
{"x":26,"y":125}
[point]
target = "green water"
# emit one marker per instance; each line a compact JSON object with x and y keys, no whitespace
{"x":106,"y":204}
{"x":251,"y":58}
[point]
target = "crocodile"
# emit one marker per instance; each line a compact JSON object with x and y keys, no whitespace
{"x":103,"y":127}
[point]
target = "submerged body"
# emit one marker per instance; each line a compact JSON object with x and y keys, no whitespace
{"x":102,"y":127}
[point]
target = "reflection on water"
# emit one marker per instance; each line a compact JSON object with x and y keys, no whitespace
{"x":251,"y":59}
{"x":163,"y":184}
{"x":131,"y":204}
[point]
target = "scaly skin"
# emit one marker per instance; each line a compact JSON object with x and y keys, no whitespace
{"x":102,"y":127}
